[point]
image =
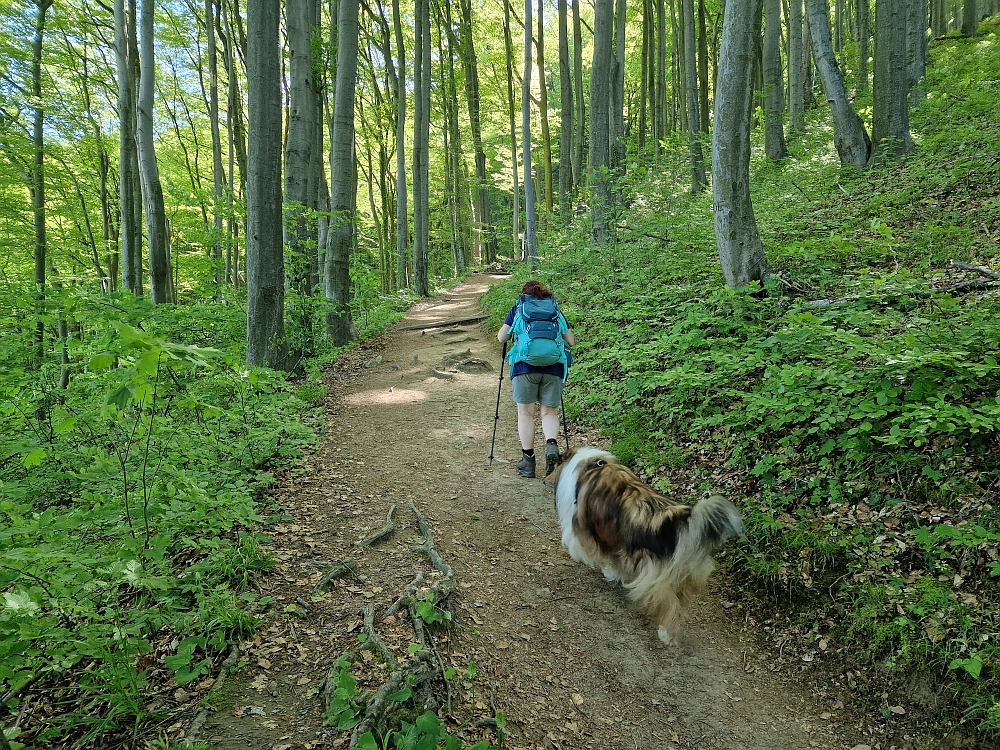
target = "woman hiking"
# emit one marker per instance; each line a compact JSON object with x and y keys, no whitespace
{"x":539,"y":363}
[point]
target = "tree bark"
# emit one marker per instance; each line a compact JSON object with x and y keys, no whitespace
{"x":516,"y":182}
{"x":849,"y":135}
{"x":218,"y":172}
{"x":616,"y":121}
{"x":129,"y":196}
{"x":916,"y":48}
{"x":580,"y":134}
{"x":152,"y":188}
{"x":796,"y":100}
{"x":697,"y":157}
{"x":530,"y":241}
{"x":402,"y":225}
{"x":543,"y":111}
{"x":421,"y":136}
{"x":970,"y":18}
{"x":862,"y":12}
{"x":566,"y":118}
{"x":266,"y":344}
{"x":481,"y":196}
{"x":600,"y":105}
{"x":740,"y":250}
{"x":343,"y":182}
{"x":774,"y":89}
{"x":890,"y":99}
{"x":660,"y":109}
{"x":38,"y":179}
{"x":703,"y":66}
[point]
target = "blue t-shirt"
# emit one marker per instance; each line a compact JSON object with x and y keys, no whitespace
{"x":520,"y":368}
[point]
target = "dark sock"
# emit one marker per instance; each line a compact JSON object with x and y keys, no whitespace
{"x":528,"y":452}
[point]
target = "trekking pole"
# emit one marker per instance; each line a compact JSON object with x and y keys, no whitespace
{"x":496,"y":418}
{"x":565,"y":429}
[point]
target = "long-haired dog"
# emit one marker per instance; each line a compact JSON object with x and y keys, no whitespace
{"x":661,"y":550}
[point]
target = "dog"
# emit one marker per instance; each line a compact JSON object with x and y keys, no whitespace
{"x":660,"y":549}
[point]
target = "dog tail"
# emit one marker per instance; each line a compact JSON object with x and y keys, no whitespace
{"x":667,"y":587}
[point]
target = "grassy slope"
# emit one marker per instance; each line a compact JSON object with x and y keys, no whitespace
{"x":862,"y":436}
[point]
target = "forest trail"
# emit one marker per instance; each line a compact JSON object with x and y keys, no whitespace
{"x":557,"y":649}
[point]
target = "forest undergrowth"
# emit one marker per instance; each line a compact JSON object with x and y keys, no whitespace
{"x":853,"y":410}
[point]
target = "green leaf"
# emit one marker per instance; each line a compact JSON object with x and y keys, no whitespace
{"x":102,"y":361}
{"x":34,"y":458}
{"x":401,"y":695}
{"x":367,"y":742}
{"x":120,"y":396}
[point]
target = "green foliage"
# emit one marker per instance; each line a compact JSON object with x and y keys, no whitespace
{"x":854,"y":409}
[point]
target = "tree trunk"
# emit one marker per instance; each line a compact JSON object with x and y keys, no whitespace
{"x":600,"y":105}
{"x":343,"y":181}
{"x":516,"y":183}
{"x":616,"y":121}
{"x":970,"y":18}
{"x":864,"y":34}
{"x":38,"y":179}
{"x":152,"y":189}
{"x":402,"y":225}
{"x":796,"y":100}
{"x":300,"y":194}
{"x":453,"y":142}
{"x":484,"y":219}
{"x":129,"y":197}
{"x":916,"y":48}
{"x":849,"y":135}
{"x":660,"y":110}
{"x":703,"y":66}
{"x":693,"y":115}
{"x":421,"y":137}
{"x":774,"y":88}
{"x":218,"y":172}
{"x":580,"y":134}
{"x":530,"y":241}
{"x":890,"y":105}
{"x":266,"y":344}
{"x":566,"y":119}
{"x":543,"y":111}
{"x":646,"y":95}
{"x":740,"y":250}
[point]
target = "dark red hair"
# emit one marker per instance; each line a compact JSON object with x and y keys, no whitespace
{"x":537,"y":289}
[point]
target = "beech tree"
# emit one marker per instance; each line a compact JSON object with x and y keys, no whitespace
{"x":600,"y":109}
{"x":849,"y":135}
{"x":530,"y":241}
{"x":693,"y":114}
{"x":343,"y":183}
{"x":740,"y":249}
{"x":129,"y":195}
{"x":266,"y":343}
{"x":774,"y":89}
{"x":566,"y":120}
{"x":890,"y":96}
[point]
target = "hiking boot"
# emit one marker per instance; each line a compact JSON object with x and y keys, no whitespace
{"x":526,"y":466}
{"x":552,"y":457}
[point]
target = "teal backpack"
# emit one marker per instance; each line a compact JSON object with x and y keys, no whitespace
{"x":537,"y":339}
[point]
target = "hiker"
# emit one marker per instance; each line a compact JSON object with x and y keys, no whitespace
{"x":539,"y":363}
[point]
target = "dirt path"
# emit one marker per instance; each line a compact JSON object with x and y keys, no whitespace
{"x":557,"y":649}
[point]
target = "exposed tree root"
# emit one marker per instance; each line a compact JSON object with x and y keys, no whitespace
{"x":339,"y":570}
{"x":374,"y":643}
{"x":407,"y":597}
{"x":206,"y":708}
{"x":416,"y":671}
{"x":389,"y":527}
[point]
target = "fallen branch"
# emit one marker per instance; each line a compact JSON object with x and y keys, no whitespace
{"x":984,"y":270}
{"x":339,"y":570}
{"x":442,"y":375}
{"x":964,"y":286}
{"x":389,"y":527}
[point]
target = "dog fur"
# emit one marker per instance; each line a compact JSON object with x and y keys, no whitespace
{"x":660,"y":549}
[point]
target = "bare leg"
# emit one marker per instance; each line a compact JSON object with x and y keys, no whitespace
{"x":526,"y":425}
{"x":550,"y":422}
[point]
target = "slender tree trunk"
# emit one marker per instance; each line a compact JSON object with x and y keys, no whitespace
{"x":218,"y":172}
{"x":970,"y":18}
{"x":421,"y":137}
{"x":543,"y":111}
{"x":693,"y":115}
{"x":660,"y":121}
{"x":849,"y":135}
{"x":580,"y":134}
{"x":916,"y":48}
{"x":530,"y":241}
{"x":890,"y":105}
{"x":484,"y":218}
{"x":126,"y":51}
{"x":796,"y":100}
{"x":402,"y":225}
{"x":343,"y":182}
{"x":566,"y":118}
{"x":616,"y":121}
{"x":152,"y":189}
{"x":740,"y":249}
{"x":266,"y":345}
{"x":648,"y":56}
{"x":38,"y":179}
{"x":453,"y":147}
{"x":516,"y":186}
{"x":864,"y":35}
{"x":774,"y":90}
{"x":600,"y":105}
{"x":703,"y":66}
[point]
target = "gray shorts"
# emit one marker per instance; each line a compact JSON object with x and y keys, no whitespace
{"x":537,"y":387}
